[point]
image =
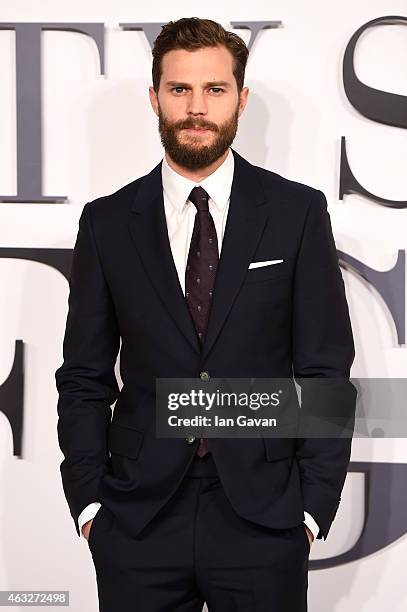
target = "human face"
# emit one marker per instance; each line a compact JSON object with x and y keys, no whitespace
{"x":198,"y":105}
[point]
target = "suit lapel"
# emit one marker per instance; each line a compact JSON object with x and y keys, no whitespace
{"x":148,"y":229}
{"x":245,"y":223}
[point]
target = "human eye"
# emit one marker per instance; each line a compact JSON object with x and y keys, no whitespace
{"x":177,"y":87}
{"x":218,"y":88}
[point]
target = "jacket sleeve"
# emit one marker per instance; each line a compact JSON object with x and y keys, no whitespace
{"x":322,"y":347}
{"x":86,"y":382}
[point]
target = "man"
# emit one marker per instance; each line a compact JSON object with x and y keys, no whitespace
{"x":164,"y":265}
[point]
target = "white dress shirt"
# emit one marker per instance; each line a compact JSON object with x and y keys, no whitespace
{"x":180,"y":216}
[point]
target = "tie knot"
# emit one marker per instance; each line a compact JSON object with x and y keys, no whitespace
{"x":199,"y":197}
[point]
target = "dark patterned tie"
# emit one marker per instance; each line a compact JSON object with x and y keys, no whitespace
{"x":202,"y":263}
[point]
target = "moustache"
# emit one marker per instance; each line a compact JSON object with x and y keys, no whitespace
{"x":197,"y":127}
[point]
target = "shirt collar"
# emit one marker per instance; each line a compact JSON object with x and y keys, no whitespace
{"x":218,"y":184}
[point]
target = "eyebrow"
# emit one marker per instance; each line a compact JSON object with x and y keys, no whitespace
{"x":208,"y":84}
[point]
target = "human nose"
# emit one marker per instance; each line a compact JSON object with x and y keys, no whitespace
{"x":197,"y":103}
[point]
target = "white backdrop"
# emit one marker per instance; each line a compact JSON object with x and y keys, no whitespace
{"x":99,"y":133}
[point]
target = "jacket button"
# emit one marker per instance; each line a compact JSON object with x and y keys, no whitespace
{"x":190,"y":439}
{"x":204,"y":375}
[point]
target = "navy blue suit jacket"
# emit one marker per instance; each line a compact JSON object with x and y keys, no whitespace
{"x":272,"y":321}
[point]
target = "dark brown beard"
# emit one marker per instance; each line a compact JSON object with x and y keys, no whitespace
{"x":193,"y":156}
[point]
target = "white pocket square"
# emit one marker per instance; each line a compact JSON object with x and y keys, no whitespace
{"x":270,"y":262}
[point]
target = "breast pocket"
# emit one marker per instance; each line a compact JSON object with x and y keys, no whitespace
{"x":267,"y":272}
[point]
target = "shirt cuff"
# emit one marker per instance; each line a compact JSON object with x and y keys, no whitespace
{"x":87,"y":514}
{"x":311,"y":524}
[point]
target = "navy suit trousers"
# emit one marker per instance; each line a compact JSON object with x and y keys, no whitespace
{"x":198,"y":550}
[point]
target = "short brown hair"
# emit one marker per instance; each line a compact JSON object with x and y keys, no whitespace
{"x":194,"y":33}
